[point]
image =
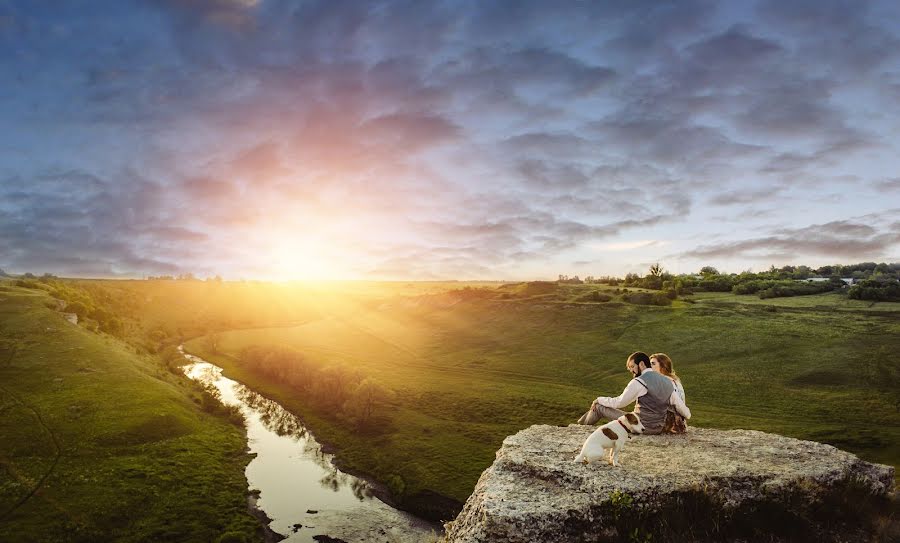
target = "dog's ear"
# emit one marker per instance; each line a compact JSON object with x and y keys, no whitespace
{"x":610,"y":434}
{"x":632,"y":418}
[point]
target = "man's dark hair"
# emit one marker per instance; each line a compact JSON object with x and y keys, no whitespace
{"x":639,"y":357}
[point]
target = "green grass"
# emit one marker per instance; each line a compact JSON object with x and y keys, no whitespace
{"x":833,"y":301}
{"x":469,"y":367}
{"x":469,"y":373}
{"x":100,"y":444}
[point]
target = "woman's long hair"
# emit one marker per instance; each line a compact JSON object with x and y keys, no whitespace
{"x":665,"y":365}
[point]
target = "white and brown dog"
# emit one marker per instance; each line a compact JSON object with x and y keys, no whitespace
{"x":611,"y":436}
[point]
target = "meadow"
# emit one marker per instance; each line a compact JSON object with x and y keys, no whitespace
{"x":100,"y":443}
{"x":470,"y":366}
{"x":98,"y":425}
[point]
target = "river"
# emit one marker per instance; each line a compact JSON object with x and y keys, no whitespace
{"x":297,"y":485}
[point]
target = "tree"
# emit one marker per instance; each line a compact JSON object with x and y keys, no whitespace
{"x":333,"y":384}
{"x":79,"y":309}
{"x":656,"y":270}
{"x":365,"y":400}
{"x":212,"y":342}
{"x":708,"y":270}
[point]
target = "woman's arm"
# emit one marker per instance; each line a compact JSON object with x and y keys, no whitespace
{"x":679,"y":405}
{"x":680,"y":389}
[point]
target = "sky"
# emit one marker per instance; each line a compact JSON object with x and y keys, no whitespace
{"x":506,"y":140}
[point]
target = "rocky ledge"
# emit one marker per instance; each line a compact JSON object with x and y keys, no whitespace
{"x":707,"y":484}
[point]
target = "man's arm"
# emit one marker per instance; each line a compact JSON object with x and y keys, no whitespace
{"x":680,"y":406}
{"x":632,"y":392}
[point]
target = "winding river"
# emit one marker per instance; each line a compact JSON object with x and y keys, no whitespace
{"x":296,"y":484}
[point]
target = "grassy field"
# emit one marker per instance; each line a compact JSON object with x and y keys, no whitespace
{"x":100,"y":444}
{"x":470,"y":370}
{"x":101,"y":430}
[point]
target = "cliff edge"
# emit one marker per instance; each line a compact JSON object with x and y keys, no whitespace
{"x":704,"y":485}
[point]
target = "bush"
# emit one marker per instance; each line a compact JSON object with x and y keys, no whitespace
{"x":396,"y":485}
{"x":792,"y":288}
{"x":647,"y":298}
{"x":172,"y":359}
{"x":593,"y":296}
{"x":535,"y":288}
{"x":212,"y":404}
{"x":880,"y":291}
{"x":79,"y":309}
{"x":113,"y":326}
{"x":365,"y":401}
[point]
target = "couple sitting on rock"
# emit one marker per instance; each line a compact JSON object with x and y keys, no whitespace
{"x":657,"y":394}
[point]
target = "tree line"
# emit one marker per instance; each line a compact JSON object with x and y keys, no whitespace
{"x":93,"y":312}
{"x":335,"y":391}
{"x":870,"y":281}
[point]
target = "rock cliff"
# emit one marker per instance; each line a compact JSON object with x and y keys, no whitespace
{"x":703,"y":485}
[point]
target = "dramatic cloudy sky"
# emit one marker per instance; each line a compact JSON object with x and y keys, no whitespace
{"x":451,"y":139}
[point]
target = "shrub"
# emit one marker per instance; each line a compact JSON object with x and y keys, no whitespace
{"x":172,"y":359}
{"x":792,"y":288}
{"x":881,"y":291}
{"x":365,"y":400}
{"x":396,"y":485}
{"x":647,"y":298}
{"x":79,"y":309}
{"x":593,"y":296}
{"x":212,"y":404}
{"x":534,"y":288}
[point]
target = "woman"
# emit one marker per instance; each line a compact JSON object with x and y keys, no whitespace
{"x":675,"y":423}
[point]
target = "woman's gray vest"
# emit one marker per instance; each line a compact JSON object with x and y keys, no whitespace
{"x":651,"y":407}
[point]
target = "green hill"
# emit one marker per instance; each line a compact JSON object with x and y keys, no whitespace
{"x":100,"y":444}
{"x":473,"y":369}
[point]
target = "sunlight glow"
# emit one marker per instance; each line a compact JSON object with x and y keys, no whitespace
{"x":300,"y":259}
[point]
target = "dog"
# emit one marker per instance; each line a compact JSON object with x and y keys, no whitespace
{"x":611,"y":436}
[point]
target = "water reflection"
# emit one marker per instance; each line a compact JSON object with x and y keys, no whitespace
{"x":299,"y":486}
{"x":272,"y":415}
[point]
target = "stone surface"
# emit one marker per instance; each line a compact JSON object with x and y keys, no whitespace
{"x":535,"y":492}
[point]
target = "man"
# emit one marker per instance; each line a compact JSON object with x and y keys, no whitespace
{"x":652,"y":393}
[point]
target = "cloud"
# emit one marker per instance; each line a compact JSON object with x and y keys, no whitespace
{"x":261,"y":162}
{"x":630,"y":245}
{"x":234,"y":14}
{"x":890,"y":186}
{"x":95,"y":226}
{"x":734,"y":47}
{"x":409,"y":132}
{"x":743,"y":197}
{"x":503,"y":135}
{"x":837,"y":239}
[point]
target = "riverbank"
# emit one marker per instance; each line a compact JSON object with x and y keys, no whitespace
{"x":334,"y":439}
{"x":295,"y":484}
